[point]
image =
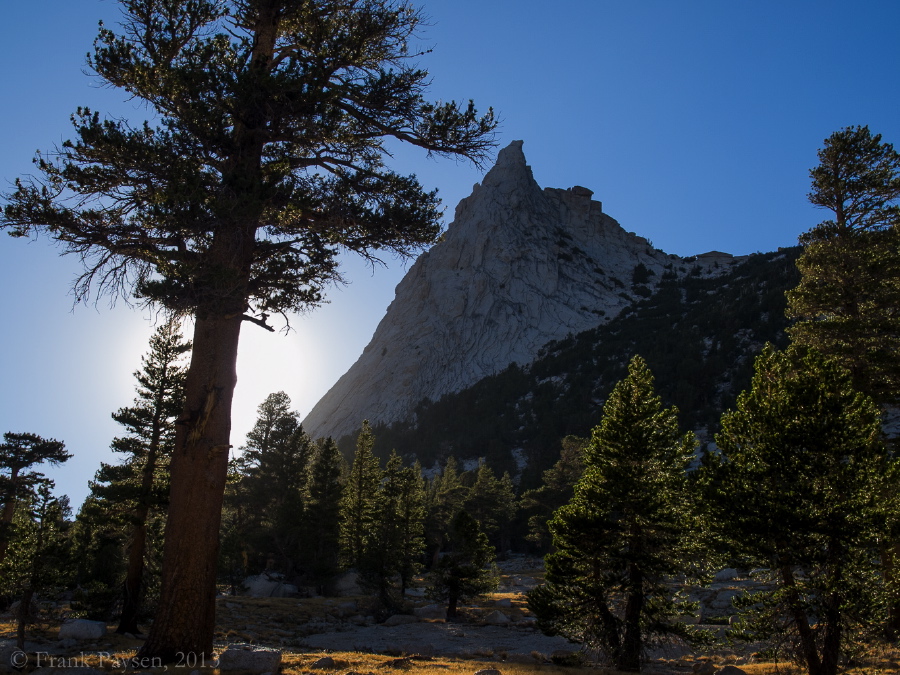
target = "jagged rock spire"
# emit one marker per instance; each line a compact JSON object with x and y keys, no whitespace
{"x":518,"y":267}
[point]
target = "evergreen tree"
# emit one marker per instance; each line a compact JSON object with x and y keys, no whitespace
{"x":796,"y":490}
{"x":39,"y":560}
{"x":445,"y":497}
{"x":321,"y":524}
{"x":465,"y":571}
{"x":358,"y":505}
{"x":274,"y":469}
{"x":132,"y":494}
{"x":557,"y":489}
{"x":18,"y":453}
{"x":626,"y":532}
{"x":492,"y":502}
{"x":411,"y":521}
{"x":238,"y":524}
{"x":262,"y":159}
{"x":848,"y":299}
{"x":394,"y":547}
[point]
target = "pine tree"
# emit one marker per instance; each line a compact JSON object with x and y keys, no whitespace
{"x":626,"y":532}
{"x":411,"y":521}
{"x":492,"y":502}
{"x":18,"y":453}
{"x":445,"y":498}
{"x":848,"y":299}
{"x":40,"y":550}
{"x":132,"y":494}
{"x":274,"y":468}
{"x":358,"y":505}
{"x":321,"y":524}
{"x":465,"y":571}
{"x":394,"y":545}
{"x":260,"y":161}
{"x":796,"y":490}
{"x":557,"y":489}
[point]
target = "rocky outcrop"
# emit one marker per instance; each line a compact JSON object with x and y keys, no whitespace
{"x":518,"y":267}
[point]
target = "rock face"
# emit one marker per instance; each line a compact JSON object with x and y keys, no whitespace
{"x":518,"y":267}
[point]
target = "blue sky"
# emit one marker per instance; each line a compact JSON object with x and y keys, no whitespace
{"x":694,"y":122}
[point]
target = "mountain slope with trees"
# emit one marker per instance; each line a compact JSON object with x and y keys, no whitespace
{"x":698,"y":334}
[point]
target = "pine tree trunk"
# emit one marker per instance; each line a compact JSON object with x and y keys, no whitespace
{"x":630,"y":655}
{"x":23,"y":615}
{"x":889,"y":557}
{"x":452,"y":601}
{"x":134,"y":575}
{"x":807,"y":638}
{"x":185,"y":621}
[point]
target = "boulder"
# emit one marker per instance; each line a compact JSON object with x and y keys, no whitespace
{"x":704,"y":668}
{"x":399,"y":620}
{"x":731,"y":670}
{"x":252,"y":659}
{"x":431,"y":612}
{"x":82,"y":629}
{"x":727,"y":574}
{"x":503,"y":602}
{"x":347,"y":584}
{"x":496,"y":618}
{"x":488,"y":671}
{"x":324,"y":662}
{"x":265,"y":586}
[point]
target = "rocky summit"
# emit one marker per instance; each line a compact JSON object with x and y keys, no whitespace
{"x":519,"y":266}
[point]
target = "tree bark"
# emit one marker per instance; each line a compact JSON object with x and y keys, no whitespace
{"x":889,"y":557}
{"x":630,"y":655}
{"x":23,"y":615}
{"x":807,"y":637}
{"x":185,"y":621}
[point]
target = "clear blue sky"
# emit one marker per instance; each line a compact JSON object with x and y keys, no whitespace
{"x":695,"y":122}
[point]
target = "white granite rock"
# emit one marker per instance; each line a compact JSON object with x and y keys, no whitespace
{"x":496,"y":618}
{"x":252,"y":659}
{"x":82,"y":629}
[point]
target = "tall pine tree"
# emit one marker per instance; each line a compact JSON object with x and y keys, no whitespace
{"x":625,"y":533}
{"x":321,"y":524}
{"x":132,"y":493}
{"x":18,"y":453}
{"x":359,"y":507}
{"x":796,"y":489}
{"x":274,"y":468}
{"x":848,"y":299}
